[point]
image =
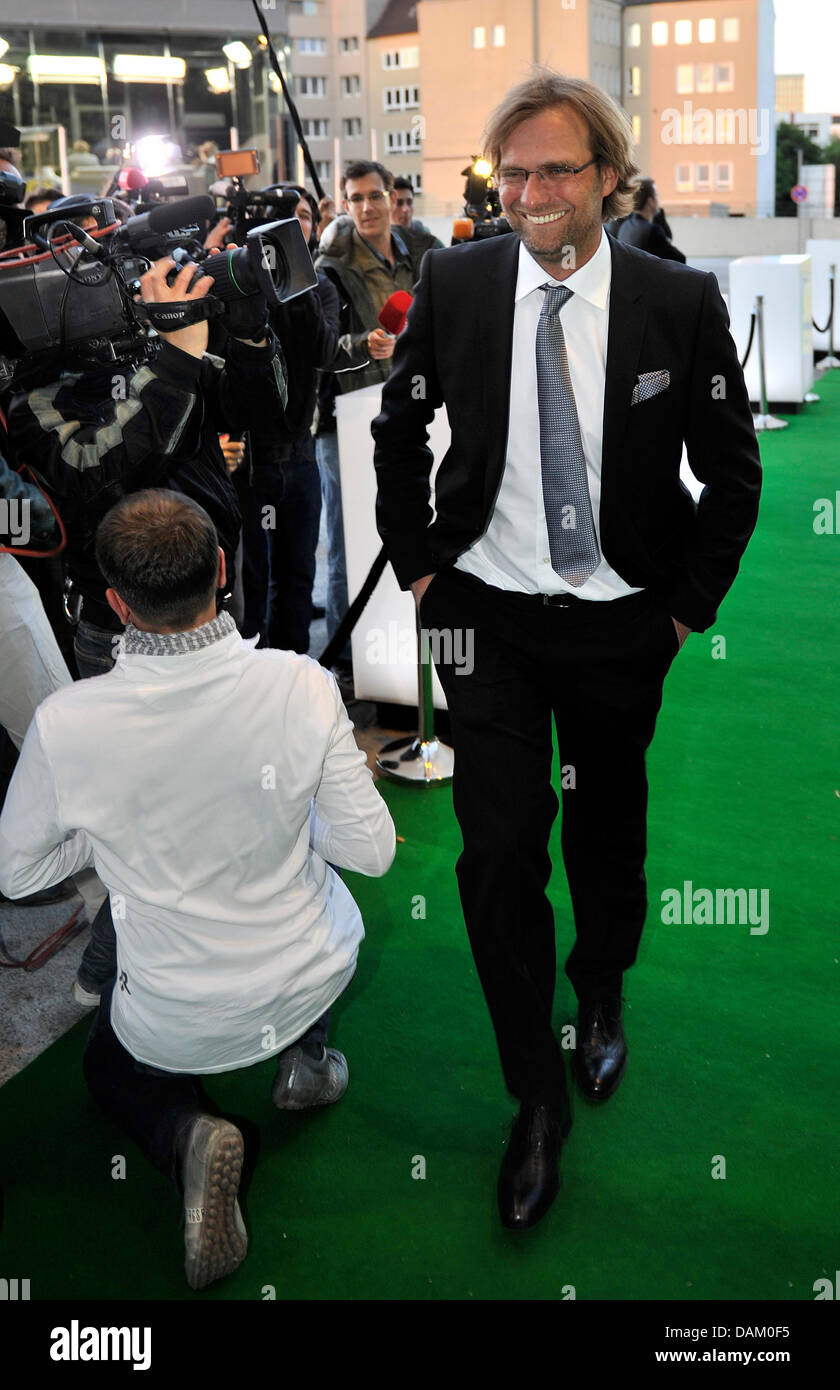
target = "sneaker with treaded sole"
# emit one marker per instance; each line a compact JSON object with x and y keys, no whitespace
{"x":301,"y":1081}
{"x":215,"y":1239}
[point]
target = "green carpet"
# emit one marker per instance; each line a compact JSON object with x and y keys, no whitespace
{"x":732,"y":1035}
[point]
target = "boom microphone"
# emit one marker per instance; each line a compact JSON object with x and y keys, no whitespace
{"x":185,"y":216}
{"x":393,"y":313}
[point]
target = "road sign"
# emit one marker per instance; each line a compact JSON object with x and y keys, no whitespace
{"x":799,"y":193}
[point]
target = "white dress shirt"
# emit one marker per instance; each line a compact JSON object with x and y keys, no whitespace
{"x":513,"y":553}
{"x":209,"y":788}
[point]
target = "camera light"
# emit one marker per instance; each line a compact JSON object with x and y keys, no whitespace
{"x":238,"y":53}
{"x":218,"y":80}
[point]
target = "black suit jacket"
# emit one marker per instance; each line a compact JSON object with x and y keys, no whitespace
{"x":663,"y":317}
{"x":635,"y":230}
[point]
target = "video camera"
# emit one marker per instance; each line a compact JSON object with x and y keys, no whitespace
{"x":71,"y":290}
{"x":250,"y":207}
{"x":482,"y":207}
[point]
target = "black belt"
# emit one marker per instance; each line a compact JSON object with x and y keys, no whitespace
{"x":560,"y":600}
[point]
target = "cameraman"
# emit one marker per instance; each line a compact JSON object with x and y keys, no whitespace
{"x":91,"y":436}
{"x":279,"y":544}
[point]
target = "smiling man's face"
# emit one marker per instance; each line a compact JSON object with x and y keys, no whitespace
{"x":551,"y":219}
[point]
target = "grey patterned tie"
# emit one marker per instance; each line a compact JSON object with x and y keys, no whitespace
{"x":568,"y":508}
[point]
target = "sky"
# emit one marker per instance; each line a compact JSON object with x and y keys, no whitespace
{"x":808,"y":41}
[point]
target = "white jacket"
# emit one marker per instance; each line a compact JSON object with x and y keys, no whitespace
{"x":209,"y":787}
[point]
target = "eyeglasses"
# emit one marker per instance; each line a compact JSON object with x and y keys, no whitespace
{"x":375,"y":196}
{"x":552,"y":175}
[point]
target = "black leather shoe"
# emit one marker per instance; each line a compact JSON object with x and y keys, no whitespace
{"x":600,"y":1057}
{"x":529,"y":1176}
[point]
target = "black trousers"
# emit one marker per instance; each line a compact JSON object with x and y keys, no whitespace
{"x":154,"y":1107}
{"x":598,"y":670}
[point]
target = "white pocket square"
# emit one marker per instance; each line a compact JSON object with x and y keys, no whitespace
{"x":650,"y":384}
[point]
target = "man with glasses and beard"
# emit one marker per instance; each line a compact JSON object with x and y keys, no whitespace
{"x":573,"y":368}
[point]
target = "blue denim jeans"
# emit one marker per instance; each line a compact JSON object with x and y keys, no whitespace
{"x":280,"y":556}
{"x":326,"y":452}
{"x":94,"y":648}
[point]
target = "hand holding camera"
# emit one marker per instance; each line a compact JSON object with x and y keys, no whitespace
{"x":155,"y":287}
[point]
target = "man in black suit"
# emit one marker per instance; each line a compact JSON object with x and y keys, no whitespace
{"x":643,"y":227}
{"x":566,"y":544}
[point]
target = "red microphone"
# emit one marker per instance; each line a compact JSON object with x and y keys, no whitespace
{"x":130,"y":180}
{"x":393,"y":313}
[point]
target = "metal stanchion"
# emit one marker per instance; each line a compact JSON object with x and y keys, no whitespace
{"x":764,"y":421}
{"x":830,"y":361}
{"x":420,"y":758}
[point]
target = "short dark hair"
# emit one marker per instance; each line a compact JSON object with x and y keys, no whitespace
{"x":645,"y":189}
{"x":39,"y":194}
{"x":405,"y":184}
{"x":160,"y":551}
{"x":360,"y":168}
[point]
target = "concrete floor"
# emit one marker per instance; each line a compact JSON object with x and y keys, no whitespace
{"x":38,"y":1007}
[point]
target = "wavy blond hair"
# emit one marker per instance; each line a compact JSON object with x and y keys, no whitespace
{"x":610,"y":141}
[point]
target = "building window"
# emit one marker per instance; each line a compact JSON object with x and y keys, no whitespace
{"x":352,"y":125}
{"x":397,"y":141}
{"x":316,"y":130}
{"x":725,"y":77}
{"x":309,"y":7}
{"x":400,"y":98}
{"x":706,"y":30}
{"x":351,"y":86}
{"x":682,"y":31}
{"x":410,"y":57}
{"x":705,"y":77}
{"x":634,"y":35}
{"x":498,"y":35}
{"x":731,"y":30}
{"x":725,"y":127}
{"x":634,"y":82}
{"x":659,"y":33}
{"x":323,"y":168}
{"x":479,"y":37}
{"x":684,"y":181}
{"x":702,"y":176}
{"x":311,"y":46}
{"x":391,"y":58}
{"x":636,"y":128}
{"x":312,"y":86}
{"x":416,"y":181}
{"x":685,"y":77}
{"x":723,"y":177}
{"x":348,"y":45}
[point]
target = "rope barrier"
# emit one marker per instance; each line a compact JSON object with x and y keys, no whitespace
{"x":749,"y":341}
{"x":830,"y":318}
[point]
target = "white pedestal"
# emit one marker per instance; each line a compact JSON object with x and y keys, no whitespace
{"x":384,"y":640}
{"x":824,"y":253}
{"x":785,"y":283}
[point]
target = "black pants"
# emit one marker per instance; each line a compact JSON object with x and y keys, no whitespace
{"x":153,"y":1107}
{"x":598,"y":669}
